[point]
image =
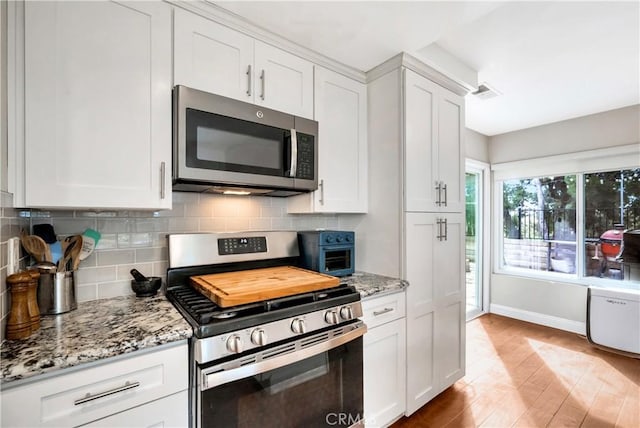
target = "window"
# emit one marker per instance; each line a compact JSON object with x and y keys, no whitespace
{"x":612,"y":205}
{"x":541,"y":222}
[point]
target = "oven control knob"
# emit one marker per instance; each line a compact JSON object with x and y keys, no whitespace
{"x":297,"y":326}
{"x":330,"y":239}
{"x":348,"y":238}
{"x":346,"y":313}
{"x":234,"y":344}
{"x":331,"y":317}
{"x":339,"y":238}
{"x":259,"y":337}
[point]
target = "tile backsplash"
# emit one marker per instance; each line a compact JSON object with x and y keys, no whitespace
{"x":138,"y":238}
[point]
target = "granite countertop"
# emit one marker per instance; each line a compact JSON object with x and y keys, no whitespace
{"x":96,"y":330}
{"x":106,"y":328}
{"x":371,"y":285}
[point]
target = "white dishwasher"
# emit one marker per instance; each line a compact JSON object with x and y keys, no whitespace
{"x":613,"y":318}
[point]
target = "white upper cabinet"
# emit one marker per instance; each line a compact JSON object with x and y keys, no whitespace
{"x":434,"y":162}
{"x":214,"y":58}
{"x":283,"y":81}
{"x":341,"y":112}
{"x":97,"y":105}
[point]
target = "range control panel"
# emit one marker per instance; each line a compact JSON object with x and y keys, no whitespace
{"x":254,"y":244}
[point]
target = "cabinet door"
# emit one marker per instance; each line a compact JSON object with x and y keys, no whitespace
{"x":420,"y":125}
{"x":171,"y":411}
{"x":98,"y":104}
{"x":449,"y":285}
{"x":435,"y":304}
{"x":211,"y":57}
{"x":283,"y":81}
{"x":341,"y":112}
{"x":422,"y":385}
{"x":384,"y":373}
{"x":450,"y":150}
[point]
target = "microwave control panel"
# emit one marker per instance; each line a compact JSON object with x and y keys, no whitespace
{"x":306,"y":157}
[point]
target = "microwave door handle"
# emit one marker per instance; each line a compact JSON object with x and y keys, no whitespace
{"x":294,"y":154}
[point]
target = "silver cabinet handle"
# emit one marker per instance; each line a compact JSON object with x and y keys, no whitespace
{"x":439,"y":236}
{"x":262,"y":78}
{"x":91,"y":397}
{"x":162,"y":180}
{"x":439,"y":189}
{"x":294,"y":153}
{"x":384,"y":311}
{"x":321,"y":186}
{"x":444,"y":187}
{"x":446,"y":231}
{"x":249,"y":80}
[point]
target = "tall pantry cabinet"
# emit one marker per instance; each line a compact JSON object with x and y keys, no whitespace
{"x":416,"y":155}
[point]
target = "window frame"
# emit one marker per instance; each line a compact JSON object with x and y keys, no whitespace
{"x":578,"y":164}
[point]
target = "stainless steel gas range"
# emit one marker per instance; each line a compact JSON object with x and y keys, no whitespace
{"x":292,"y":361}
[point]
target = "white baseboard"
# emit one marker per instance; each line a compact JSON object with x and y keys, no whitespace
{"x":542,"y":319}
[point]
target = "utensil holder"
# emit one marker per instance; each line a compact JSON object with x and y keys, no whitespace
{"x":57,"y":292}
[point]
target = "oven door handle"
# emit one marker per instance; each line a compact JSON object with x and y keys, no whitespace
{"x":215,"y":376}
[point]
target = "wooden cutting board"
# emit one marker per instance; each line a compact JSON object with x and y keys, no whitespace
{"x":248,"y":286}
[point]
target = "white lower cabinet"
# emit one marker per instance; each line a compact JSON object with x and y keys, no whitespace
{"x":141,"y":390}
{"x":384,"y":359}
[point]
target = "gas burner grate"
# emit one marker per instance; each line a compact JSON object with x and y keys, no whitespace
{"x":209,"y":319}
{"x":204,"y":311}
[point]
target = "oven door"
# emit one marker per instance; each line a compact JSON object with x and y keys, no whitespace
{"x":315,"y":381}
{"x":337,"y":260}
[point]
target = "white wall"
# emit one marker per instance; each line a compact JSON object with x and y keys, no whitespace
{"x":378,"y":235}
{"x":596,"y":131}
{"x":553,"y":303}
{"x":476,"y":146}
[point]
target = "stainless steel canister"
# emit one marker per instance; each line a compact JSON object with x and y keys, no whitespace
{"x":57,"y":292}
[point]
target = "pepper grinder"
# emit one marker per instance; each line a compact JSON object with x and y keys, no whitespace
{"x":19,"y":321}
{"x":32,"y":300}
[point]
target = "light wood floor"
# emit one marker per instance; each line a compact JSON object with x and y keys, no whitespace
{"x":525,"y":375}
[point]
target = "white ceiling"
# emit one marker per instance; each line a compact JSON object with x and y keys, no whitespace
{"x":550,"y":60}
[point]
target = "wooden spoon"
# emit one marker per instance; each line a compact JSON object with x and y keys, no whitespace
{"x":71,"y":247}
{"x":35,"y":246}
{"x":75,"y":252}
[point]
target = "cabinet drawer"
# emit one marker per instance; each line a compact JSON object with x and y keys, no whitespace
{"x":85,"y":395}
{"x":383,"y":309}
{"x":172,"y":411}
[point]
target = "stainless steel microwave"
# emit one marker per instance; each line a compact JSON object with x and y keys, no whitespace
{"x":223,"y":145}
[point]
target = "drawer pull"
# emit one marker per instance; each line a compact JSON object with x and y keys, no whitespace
{"x":90,"y":397}
{"x":384,"y":311}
